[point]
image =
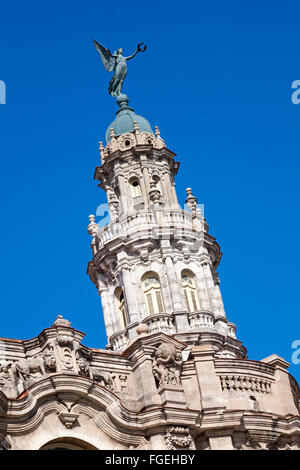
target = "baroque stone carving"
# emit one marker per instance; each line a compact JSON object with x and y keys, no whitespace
{"x":167,"y":364}
{"x":5,"y":372}
{"x":65,"y":351}
{"x":68,"y":419}
{"x":30,"y":369}
{"x":178,"y":438}
{"x":103,"y":377}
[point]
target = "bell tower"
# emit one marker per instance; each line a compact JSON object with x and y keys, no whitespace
{"x":155,"y":263}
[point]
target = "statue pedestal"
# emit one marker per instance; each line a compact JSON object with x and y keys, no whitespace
{"x":172,"y":395}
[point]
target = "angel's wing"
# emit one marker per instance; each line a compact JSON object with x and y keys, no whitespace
{"x":107,"y":59}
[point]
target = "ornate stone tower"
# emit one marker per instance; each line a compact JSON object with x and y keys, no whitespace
{"x":155,"y":264}
{"x":173,"y":375}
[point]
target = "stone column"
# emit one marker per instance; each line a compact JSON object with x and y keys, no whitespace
{"x":210,"y":286}
{"x":208,"y":381}
{"x":173,"y":284}
{"x":129,"y":291}
{"x":108,"y":320}
{"x":115,"y":315}
{"x":203,"y":294}
{"x":146,"y":178}
{"x":220,"y":300}
{"x":172,"y":193}
{"x":124,"y":194}
{"x":109,"y":315}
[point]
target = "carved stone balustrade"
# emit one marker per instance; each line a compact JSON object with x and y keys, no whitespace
{"x":244,"y":382}
{"x":231,"y":329}
{"x":160,"y":322}
{"x":119,"y":340}
{"x":201,"y":320}
{"x":148,"y":224}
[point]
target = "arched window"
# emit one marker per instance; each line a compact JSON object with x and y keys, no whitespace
{"x":152,"y":293}
{"x":135,"y":187}
{"x":121,"y":306}
{"x":190,"y":291}
{"x":157,"y":182}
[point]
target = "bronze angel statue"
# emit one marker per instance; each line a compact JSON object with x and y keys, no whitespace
{"x":118,"y":63}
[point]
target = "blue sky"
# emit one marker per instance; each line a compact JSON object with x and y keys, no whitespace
{"x":216,"y":78}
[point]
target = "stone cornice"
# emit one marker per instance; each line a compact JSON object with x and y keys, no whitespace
{"x":50,"y":394}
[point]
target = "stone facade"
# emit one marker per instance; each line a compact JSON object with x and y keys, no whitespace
{"x":173,"y":374}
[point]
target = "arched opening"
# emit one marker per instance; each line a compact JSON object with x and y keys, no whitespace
{"x":135,"y":187}
{"x":120,"y":299}
{"x":190,"y":291}
{"x":157,"y":182}
{"x":67,"y":443}
{"x":152,"y":293}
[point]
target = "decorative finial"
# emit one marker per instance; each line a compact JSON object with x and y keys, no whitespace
{"x":112,"y":133}
{"x":61,"y":321}
{"x":92,"y":219}
{"x":116,"y":63}
{"x":160,"y":143}
{"x":101,"y":148}
{"x":135,"y":126}
{"x":191,"y":201}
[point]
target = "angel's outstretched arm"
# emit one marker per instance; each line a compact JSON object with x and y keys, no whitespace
{"x":132,"y":55}
{"x":138,"y":49}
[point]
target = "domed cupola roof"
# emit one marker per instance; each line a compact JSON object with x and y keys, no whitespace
{"x":125,"y":118}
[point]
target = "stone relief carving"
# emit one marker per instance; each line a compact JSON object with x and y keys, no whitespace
{"x":83,"y":367}
{"x":178,"y":438}
{"x":6,"y":375}
{"x":103,"y":377}
{"x":167,"y":365}
{"x":28,"y":370}
{"x":50,"y":362}
{"x":66,"y":351}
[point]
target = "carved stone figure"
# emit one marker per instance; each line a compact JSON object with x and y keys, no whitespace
{"x":105,"y":378}
{"x":65,"y":341}
{"x":167,"y":365}
{"x":28,"y":369}
{"x":118,"y":63}
{"x":5,"y":372}
{"x":49,"y":362}
{"x":83,"y":367}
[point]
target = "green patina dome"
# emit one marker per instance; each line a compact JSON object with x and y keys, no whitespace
{"x":125,"y":118}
